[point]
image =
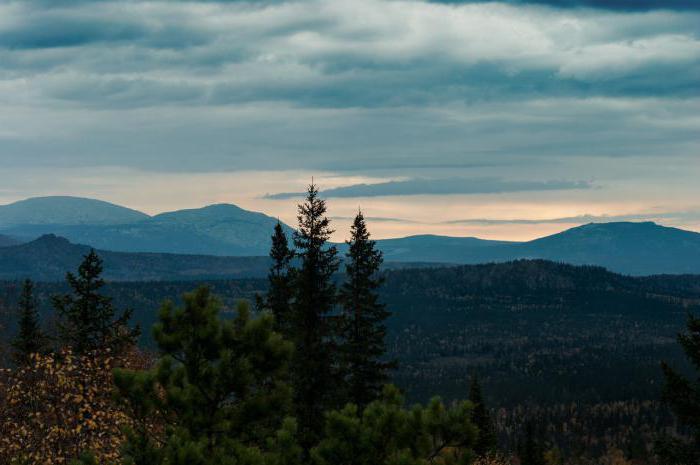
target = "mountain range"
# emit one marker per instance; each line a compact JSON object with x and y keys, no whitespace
{"x":225,"y":230}
{"x":222,"y":229}
{"x":49,"y":257}
{"x":642,"y":248}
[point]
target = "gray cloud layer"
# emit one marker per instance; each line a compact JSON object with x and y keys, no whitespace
{"x":446,"y":186}
{"x":682,"y":216}
{"x":623,"y":5}
{"x":394,"y":88}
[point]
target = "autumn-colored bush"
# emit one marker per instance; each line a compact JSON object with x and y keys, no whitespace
{"x":493,"y":459}
{"x":59,"y":406}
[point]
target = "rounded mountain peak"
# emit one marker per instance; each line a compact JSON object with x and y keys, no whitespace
{"x":67,"y":211}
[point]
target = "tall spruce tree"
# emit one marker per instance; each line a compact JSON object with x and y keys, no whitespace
{"x":683,"y":396}
{"x":362,"y":323}
{"x":87,"y":319}
{"x":218,"y":390}
{"x":279,"y":294}
{"x":29,"y":339}
{"x":486,"y":439}
{"x":314,"y":373}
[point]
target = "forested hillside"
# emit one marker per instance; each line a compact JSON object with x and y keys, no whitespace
{"x":549,"y":341}
{"x":49,"y":257}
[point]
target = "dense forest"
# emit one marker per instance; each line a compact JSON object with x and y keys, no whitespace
{"x":320,"y":362}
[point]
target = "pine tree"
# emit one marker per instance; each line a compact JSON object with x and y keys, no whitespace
{"x":279,"y":293}
{"x":387,"y":433}
{"x":530,"y":450}
{"x":87,"y":319}
{"x":313,"y":368}
{"x":30,"y":339}
{"x":218,"y":388}
{"x":683,"y":396}
{"x":362,"y":324}
{"x":486,"y":441}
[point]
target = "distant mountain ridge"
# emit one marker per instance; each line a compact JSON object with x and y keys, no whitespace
{"x":66,"y":210}
{"x":227,"y":230}
{"x":49,"y":257}
{"x":6,"y":241}
{"x":221,"y":229}
{"x":642,"y":248}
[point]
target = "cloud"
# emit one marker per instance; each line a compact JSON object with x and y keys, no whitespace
{"x":315,"y":53}
{"x":691,"y":215}
{"x":377,"y":219}
{"x":623,"y":5}
{"x":447,"y":186}
{"x":391,"y":89}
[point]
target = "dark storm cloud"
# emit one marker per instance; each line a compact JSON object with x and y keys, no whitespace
{"x":441,"y":187}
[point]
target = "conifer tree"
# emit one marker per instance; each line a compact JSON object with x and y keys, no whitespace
{"x":530,"y":450}
{"x":218,"y":388}
{"x":362,"y":324}
{"x":683,"y":396}
{"x":87,"y":318}
{"x":29,"y":339}
{"x":279,"y":293}
{"x":486,"y":440}
{"x":387,"y":433}
{"x":314,"y":365}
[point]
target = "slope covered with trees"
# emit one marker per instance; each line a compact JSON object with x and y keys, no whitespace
{"x":563,"y":361}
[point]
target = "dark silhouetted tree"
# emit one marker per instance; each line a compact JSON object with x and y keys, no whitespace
{"x":87,"y":319}
{"x":29,"y":339}
{"x":279,"y":293}
{"x":486,"y":440}
{"x":683,"y":396}
{"x":530,"y":449}
{"x":218,"y":388}
{"x":362,"y":323}
{"x":314,"y":373}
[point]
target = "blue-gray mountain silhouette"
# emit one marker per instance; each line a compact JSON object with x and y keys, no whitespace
{"x":227,"y":230}
{"x":626,"y":247}
{"x":49,"y":257}
{"x":66,"y":211}
{"x":222,"y":229}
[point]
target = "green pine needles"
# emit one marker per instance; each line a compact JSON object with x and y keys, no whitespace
{"x":87,"y":318}
{"x":362,"y":329}
{"x":683,"y":396}
{"x":217,"y":392}
{"x":30,"y":339}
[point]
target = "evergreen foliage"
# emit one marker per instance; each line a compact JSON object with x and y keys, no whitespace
{"x":530,"y":449}
{"x":683,"y":396}
{"x":279,"y":293}
{"x":217,"y":390}
{"x":385,"y":433}
{"x":362,"y":325}
{"x":314,"y":367}
{"x":486,"y":441}
{"x":87,"y":320}
{"x":29,"y":339}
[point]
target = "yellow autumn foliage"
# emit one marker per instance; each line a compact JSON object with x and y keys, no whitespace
{"x":59,"y":406}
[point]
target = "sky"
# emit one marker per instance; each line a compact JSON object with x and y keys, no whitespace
{"x":502,"y":120}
